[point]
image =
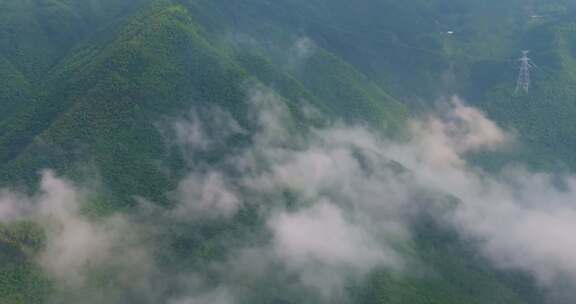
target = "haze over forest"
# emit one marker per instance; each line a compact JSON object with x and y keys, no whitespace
{"x":287,"y":151}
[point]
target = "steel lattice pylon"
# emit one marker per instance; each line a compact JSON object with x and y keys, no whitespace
{"x":526,"y":64}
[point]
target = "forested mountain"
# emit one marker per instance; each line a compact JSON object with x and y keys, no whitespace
{"x":284,"y":151}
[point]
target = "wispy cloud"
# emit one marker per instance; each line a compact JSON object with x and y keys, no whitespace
{"x":329,"y":205}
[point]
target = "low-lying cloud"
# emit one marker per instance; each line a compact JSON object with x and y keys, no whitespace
{"x":330,"y":205}
{"x":75,"y":245}
{"x":321,"y":245}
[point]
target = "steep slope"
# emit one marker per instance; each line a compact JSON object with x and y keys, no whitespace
{"x":36,"y":35}
{"x":112,"y":90}
{"x":15,"y":90}
{"x":544,"y":116}
{"x":104,"y":99}
{"x":21,"y":281}
{"x":92,"y":91}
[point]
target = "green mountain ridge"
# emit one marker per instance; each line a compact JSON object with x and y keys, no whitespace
{"x":86,"y":83}
{"x":142,"y":64}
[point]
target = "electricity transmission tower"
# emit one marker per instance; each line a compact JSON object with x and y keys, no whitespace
{"x":524,"y":76}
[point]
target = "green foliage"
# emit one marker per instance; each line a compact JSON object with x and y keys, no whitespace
{"x":85,"y":83}
{"x":15,"y":89}
{"x":21,"y":281}
{"x":349,"y":94}
{"x":544,"y":117}
{"x":101,"y":103}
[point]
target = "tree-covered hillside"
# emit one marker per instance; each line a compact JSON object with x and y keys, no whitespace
{"x":111,"y":86}
{"x":151,"y":103}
